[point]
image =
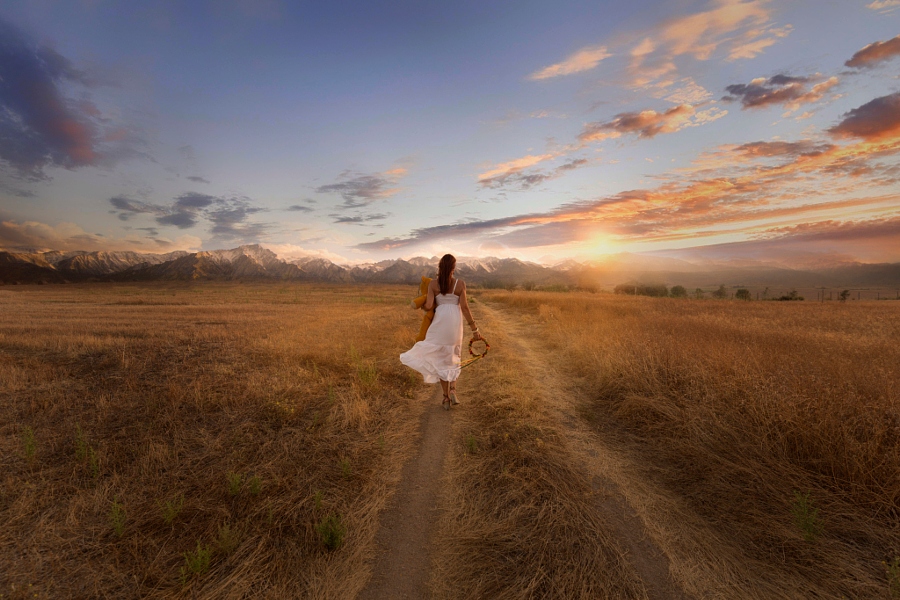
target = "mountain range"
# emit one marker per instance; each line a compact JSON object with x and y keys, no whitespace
{"x":255,"y":263}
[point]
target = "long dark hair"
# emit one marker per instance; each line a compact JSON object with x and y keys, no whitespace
{"x":445,"y":269}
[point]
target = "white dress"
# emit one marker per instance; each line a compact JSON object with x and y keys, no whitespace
{"x":437,"y":356}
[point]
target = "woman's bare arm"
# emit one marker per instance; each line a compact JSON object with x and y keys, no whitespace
{"x":429,"y":299}
{"x":467,"y":313}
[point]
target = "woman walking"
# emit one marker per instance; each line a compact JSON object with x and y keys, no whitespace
{"x":437,"y":357}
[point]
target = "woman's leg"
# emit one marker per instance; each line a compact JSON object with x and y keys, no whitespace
{"x":445,"y":386}
{"x":452,"y":392}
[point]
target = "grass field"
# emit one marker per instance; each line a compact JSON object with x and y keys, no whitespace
{"x":220,"y":440}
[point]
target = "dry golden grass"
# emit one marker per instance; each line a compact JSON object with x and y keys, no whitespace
{"x":728,"y":410}
{"x":251,"y":412}
{"x":519,"y":513}
{"x":146,"y":431}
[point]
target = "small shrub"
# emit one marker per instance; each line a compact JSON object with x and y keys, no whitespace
{"x":29,"y":445}
{"x":117,"y":517}
{"x":893,"y":576}
{"x":228,"y":539}
{"x":235,"y":482}
{"x":844,"y":295}
{"x":367,"y":374}
{"x":698,"y":294}
{"x":331,"y":531}
{"x":93,"y":463}
{"x":471,"y":444}
{"x":171,"y":508}
{"x":720,"y":293}
{"x":806,"y":516}
{"x":678,"y":291}
{"x":742,"y":294}
{"x":196,"y":562}
{"x":254,"y":485}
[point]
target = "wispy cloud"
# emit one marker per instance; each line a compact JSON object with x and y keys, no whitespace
{"x":230,"y":218}
{"x":358,"y":189}
{"x":786,"y":90}
{"x":875,"y":53}
{"x":197,"y":179}
{"x":525,"y":179}
{"x":649,"y":123}
{"x":583,"y":60}
{"x":884,"y":5}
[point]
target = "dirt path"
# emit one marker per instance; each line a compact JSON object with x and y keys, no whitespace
{"x":624,"y":523}
{"x":403,"y":562}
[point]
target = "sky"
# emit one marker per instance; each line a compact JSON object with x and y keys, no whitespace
{"x":361,"y":131}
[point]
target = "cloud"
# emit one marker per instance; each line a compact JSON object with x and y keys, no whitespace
{"x":229,"y":217}
{"x":742,"y":190}
{"x":792,"y":92}
{"x":884,"y":5}
{"x":299,"y":208}
{"x":875,"y":53}
{"x":878,"y":119}
{"x":197,"y":179}
{"x":359,"y":219}
{"x":39,"y":126}
{"x":743,"y":29}
{"x":802,"y":148}
{"x":514,"y":166}
{"x":649,"y":123}
{"x":360,"y":190}
{"x":34,"y":235}
{"x":583,"y":60}
{"x":513,"y":173}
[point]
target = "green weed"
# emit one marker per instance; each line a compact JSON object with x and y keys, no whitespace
{"x":346,"y":470}
{"x":471,"y":444}
{"x":196,"y":562}
{"x":367,"y":374}
{"x":235,"y":482}
{"x":93,"y":463}
{"x":331,"y":531}
{"x":228,"y":539}
{"x":29,"y":445}
{"x":117,"y":517}
{"x":171,"y":508}
{"x":317,"y":499}
{"x":254,"y":485}
{"x":893,"y":575}
{"x":806,"y":516}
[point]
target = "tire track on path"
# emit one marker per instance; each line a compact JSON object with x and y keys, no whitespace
{"x":402,"y":565}
{"x":647,"y":559}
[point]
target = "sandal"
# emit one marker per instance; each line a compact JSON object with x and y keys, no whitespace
{"x":453,"y":399}
{"x":446,"y":402}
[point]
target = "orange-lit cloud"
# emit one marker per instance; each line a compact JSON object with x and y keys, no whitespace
{"x":582,"y":60}
{"x":875,"y":53}
{"x":525,"y":179}
{"x":786,"y":90}
{"x":876,"y":120}
{"x":884,"y":5}
{"x":649,"y":123}
{"x":747,"y":190}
